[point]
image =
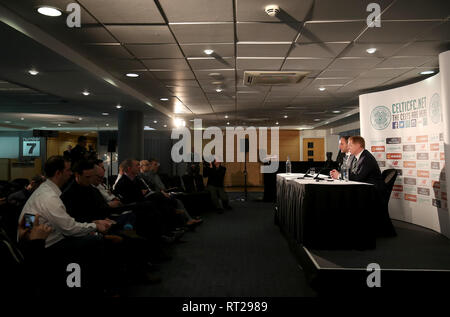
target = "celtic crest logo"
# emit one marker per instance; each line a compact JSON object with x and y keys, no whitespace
{"x":380,"y":118}
{"x":435,"y":109}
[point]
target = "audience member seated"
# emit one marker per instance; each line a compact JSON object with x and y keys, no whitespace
{"x":216,"y":175}
{"x":149,"y":173}
{"x":20,"y":197}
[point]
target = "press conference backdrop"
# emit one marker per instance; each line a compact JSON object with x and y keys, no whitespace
{"x":404,"y":129}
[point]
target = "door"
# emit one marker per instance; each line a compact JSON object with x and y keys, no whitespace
{"x":313,"y":149}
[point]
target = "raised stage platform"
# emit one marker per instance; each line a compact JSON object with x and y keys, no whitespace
{"x":415,"y":262}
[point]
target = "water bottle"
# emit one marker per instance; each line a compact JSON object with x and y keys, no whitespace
{"x":288,"y":166}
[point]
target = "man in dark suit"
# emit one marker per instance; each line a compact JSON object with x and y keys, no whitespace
{"x":342,"y":157}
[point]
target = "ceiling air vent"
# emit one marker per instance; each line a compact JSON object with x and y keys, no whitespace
{"x":254,"y":78}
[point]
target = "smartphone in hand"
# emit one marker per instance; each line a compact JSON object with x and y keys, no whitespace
{"x":29,"y":220}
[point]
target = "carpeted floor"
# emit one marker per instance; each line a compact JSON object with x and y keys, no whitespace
{"x":240,"y":253}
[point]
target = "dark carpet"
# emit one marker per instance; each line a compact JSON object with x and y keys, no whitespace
{"x":239,"y":253}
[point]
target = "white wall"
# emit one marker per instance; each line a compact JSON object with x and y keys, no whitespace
{"x":9,"y":147}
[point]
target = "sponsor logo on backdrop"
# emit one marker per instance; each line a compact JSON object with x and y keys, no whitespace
{"x":396,"y":195}
{"x":423,"y":174}
{"x":442,"y":156}
{"x":394,"y":148}
{"x":423,"y":165}
{"x":399,"y":181}
{"x":410,"y":197}
{"x":422,"y":182}
{"x":435,"y":109}
{"x":409,"y":164}
{"x":422,"y":156}
{"x":410,"y":156}
{"x":436,"y":184}
{"x":421,"y":138}
{"x":435,"y":156}
{"x":434,"y":138}
{"x":409,"y":139}
{"x":393,"y":164}
{"x":381,"y":163}
{"x":424,"y":200}
{"x":409,"y":181}
{"x":437,"y":175}
{"x":394,"y":156}
{"x":436,"y":203}
{"x":393,"y":140}
{"x":378,"y":149}
{"x":423,"y":191}
{"x":434,"y":147}
{"x":397,"y":188}
{"x":380,"y":118}
{"x":410,"y":190}
{"x":410,"y":173}
{"x":409,"y":148}
{"x":435,"y":165}
{"x":422,"y":147}
{"x":379,"y":156}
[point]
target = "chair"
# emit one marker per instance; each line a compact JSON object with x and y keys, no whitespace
{"x":386,"y":228}
{"x":389,"y":176}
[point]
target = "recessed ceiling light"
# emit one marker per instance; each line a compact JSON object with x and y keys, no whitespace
{"x":336,"y":111}
{"x":276,"y":123}
{"x":214,"y":74}
{"x":165,"y":126}
{"x":105,"y":114}
{"x":427,"y":72}
{"x":228,"y":123}
{"x":371,"y":50}
{"x":316,"y":120}
{"x":22,"y":118}
{"x":107,"y":124}
{"x":208,"y":52}
{"x":217,"y":83}
{"x":322,"y":88}
{"x":59,"y":124}
{"x":33,"y":72}
{"x":219,"y":90}
{"x":118,"y":106}
{"x":49,"y":11}
{"x":155,"y":121}
{"x":86,"y":93}
{"x":133,"y":75}
{"x":164,"y":99}
{"x":80,"y":118}
{"x":285,"y":117}
{"x":226,"y":117}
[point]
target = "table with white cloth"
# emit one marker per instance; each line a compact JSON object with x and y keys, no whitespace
{"x":325,"y":214}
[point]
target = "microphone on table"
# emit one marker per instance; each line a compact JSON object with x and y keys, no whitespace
{"x":317,"y":178}
{"x":306,"y":174}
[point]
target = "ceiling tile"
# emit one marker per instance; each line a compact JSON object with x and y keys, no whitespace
{"x":180,"y":75}
{"x":155,"y":50}
{"x":262,"y":50}
{"x":197,"y":50}
{"x":395,"y":32}
{"x":417,"y":10}
{"x":92,"y":34}
{"x":107,"y":51}
{"x":266,"y":32}
{"x":385,"y":72}
{"x":362,"y":83}
{"x":341,"y":73}
{"x":306,"y":63}
{"x":404,"y":61}
{"x":181,"y":83}
{"x":317,"y":49}
{"x":211,"y":63}
{"x":438,"y":33}
{"x":216,"y":74}
{"x":204,"y":33}
{"x":259,"y":64}
{"x":253,"y":10}
{"x":383,"y":50}
{"x":427,"y":48}
{"x":355,"y":62}
{"x":145,"y":34}
{"x":330,"y":31}
{"x":325,"y":10}
{"x":119,"y":11}
{"x":198,"y":10}
{"x":178,"y":64}
{"x":331,"y":81}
